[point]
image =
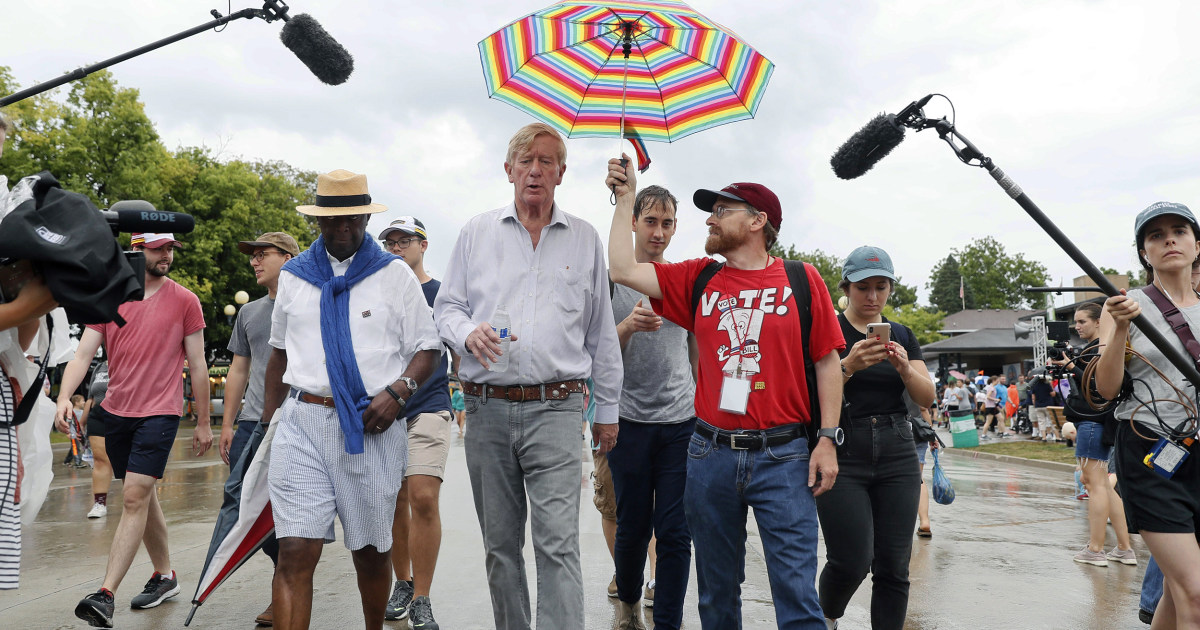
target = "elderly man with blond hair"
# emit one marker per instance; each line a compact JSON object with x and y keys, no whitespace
{"x":546,"y":269}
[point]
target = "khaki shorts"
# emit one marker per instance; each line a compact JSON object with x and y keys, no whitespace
{"x":428,"y":444}
{"x":605,"y":497}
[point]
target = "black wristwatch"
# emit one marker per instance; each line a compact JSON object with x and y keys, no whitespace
{"x":836,"y":434}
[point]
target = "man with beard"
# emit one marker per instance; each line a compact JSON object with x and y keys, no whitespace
{"x":141,"y":415}
{"x":749,"y":447}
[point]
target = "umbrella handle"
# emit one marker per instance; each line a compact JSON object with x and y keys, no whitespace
{"x":613,"y":197}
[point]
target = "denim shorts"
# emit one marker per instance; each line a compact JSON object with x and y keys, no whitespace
{"x":1088,"y":441}
{"x":922,"y":448}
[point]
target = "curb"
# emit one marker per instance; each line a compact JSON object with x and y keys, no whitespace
{"x":1011,"y":459}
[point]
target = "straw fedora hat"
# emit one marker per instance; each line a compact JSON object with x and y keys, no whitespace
{"x":340,"y":193}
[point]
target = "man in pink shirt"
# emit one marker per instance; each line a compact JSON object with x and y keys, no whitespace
{"x":141,"y":415}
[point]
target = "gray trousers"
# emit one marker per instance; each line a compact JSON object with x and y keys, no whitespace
{"x":529,"y":450}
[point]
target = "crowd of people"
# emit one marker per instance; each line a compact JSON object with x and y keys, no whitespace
{"x":713,"y":388}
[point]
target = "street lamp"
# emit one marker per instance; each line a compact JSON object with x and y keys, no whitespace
{"x":241,"y":297}
{"x":230,"y":311}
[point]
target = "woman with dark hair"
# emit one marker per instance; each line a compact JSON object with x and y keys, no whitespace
{"x":867,"y":517}
{"x":1156,"y":411}
{"x":1104,"y":503}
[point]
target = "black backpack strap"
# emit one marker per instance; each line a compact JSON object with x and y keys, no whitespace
{"x":802,"y":295}
{"x":706,"y":274}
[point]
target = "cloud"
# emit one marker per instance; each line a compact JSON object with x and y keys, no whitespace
{"x":1089,"y":106}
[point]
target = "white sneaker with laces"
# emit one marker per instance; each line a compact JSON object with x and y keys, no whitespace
{"x":99,"y":510}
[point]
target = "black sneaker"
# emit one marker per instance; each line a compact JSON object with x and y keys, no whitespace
{"x":401,"y":599}
{"x":1145,"y":616}
{"x":421,"y":614}
{"x":96,"y":609}
{"x":159,"y":589}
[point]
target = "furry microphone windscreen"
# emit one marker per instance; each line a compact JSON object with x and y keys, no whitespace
{"x":323,"y":55}
{"x":867,"y":147}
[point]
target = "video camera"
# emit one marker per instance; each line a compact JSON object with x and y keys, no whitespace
{"x":63,"y":237}
{"x":1058,"y":336}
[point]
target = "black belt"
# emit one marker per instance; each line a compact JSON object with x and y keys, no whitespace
{"x":752,"y":440}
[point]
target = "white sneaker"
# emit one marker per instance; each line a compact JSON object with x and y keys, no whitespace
{"x":99,"y":510}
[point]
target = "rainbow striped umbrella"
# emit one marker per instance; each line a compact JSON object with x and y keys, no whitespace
{"x":654,"y":70}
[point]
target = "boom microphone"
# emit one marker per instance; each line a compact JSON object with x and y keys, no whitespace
{"x":141,"y":216}
{"x":866,"y":147}
{"x":323,"y":55}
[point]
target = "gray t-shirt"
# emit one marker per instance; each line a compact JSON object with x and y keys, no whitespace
{"x":658,"y":387}
{"x":251,"y":336}
{"x":1147,"y":384}
{"x":99,"y":386}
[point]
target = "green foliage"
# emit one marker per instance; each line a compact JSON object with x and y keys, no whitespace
{"x":829,"y":265}
{"x":992,"y":278}
{"x":100,"y":142}
{"x":924,"y":322}
{"x":944,"y":284}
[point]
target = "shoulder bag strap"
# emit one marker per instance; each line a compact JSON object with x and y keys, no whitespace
{"x":1175,"y":319}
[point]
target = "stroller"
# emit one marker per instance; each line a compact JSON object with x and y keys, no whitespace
{"x":1021,"y":422}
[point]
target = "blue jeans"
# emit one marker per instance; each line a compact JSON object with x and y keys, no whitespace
{"x":868,"y":519}
{"x":1152,"y":587}
{"x":721,"y":484}
{"x":519,"y":452}
{"x":649,"y":473}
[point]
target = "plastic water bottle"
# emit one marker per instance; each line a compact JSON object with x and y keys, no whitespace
{"x":501,"y":323}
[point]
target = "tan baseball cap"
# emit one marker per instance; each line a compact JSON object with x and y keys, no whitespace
{"x":282,"y":240}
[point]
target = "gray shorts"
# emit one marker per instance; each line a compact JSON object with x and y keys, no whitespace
{"x":312,"y":478}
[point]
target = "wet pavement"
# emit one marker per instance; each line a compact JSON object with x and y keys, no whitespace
{"x":1000,"y":558}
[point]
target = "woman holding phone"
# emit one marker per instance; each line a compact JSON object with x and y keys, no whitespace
{"x":867,"y":517}
{"x":1156,"y":412}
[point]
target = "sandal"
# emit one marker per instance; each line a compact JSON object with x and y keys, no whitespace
{"x":924,"y":532}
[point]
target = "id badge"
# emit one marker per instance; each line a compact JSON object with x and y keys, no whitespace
{"x":735,"y":393}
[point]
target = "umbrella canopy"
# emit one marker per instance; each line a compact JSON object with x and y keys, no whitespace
{"x":566,"y":65}
{"x":245,"y":520}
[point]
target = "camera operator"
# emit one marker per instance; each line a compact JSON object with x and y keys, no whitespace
{"x":19,"y":322}
{"x":1104,"y":504}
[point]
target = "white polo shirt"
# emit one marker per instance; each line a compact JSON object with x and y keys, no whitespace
{"x":389,"y":323}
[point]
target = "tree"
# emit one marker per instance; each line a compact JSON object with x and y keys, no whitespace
{"x":992,"y":278}
{"x":924,"y":322}
{"x":902,"y":294}
{"x":100,"y":142}
{"x":944,"y":285}
{"x":828,"y":265}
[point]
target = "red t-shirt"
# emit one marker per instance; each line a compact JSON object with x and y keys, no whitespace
{"x":145,"y":356}
{"x":749,"y":316}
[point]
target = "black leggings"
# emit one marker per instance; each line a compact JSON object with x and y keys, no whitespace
{"x":868,"y":518}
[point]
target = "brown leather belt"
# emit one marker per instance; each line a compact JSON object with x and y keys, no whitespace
{"x":324,"y":401}
{"x":522,"y":393}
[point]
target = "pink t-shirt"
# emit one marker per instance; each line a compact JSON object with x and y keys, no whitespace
{"x":146,"y":355}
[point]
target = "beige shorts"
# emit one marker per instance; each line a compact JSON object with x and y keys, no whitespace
{"x":428,"y":444}
{"x":605,"y":497}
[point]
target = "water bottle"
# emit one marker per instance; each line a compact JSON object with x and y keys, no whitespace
{"x":501,"y":323}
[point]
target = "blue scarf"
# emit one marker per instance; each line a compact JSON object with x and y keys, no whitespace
{"x":312,"y":266}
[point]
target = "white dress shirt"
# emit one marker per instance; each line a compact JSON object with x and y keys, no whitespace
{"x":557,"y":296}
{"x":389,"y":323}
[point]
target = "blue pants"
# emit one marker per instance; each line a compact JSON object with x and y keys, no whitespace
{"x":1152,"y":587}
{"x":722,"y":483}
{"x":649,"y":472}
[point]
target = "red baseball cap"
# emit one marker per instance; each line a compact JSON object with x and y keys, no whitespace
{"x":758,"y":196}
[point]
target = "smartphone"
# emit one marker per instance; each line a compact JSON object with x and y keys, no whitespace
{"x":883,"y":331}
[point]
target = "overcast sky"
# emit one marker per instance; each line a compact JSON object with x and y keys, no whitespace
{"x":1089,"y":105}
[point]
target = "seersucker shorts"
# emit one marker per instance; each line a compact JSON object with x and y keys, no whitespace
{"x":312,"y":478}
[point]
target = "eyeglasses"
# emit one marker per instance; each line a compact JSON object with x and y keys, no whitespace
{"x":263,"y":254}
{"x":402,"y":243}
{"x":722,"y":211}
